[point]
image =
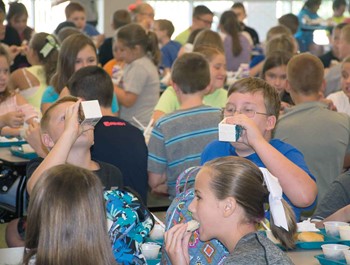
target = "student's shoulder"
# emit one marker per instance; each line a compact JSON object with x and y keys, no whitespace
{"x":107,"y":169}
{"x":111,"y":122}
{"x":184,"y":114}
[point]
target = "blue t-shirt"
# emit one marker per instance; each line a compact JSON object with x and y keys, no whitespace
{"x":218,"y":149}
{"x":91,"y":30}
{"x":50,"y":96}
{"x":169,"y":53}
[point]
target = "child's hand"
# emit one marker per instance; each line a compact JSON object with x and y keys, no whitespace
{"x":71,"y":124}
{"x":251,"y":134}
{"x":13,"y":119}
{"x":13,"y":51}
{"x":176,"y":244}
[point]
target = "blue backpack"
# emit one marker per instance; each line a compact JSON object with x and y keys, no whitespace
{"x":130,"y":223}
{"x":201,"y":253}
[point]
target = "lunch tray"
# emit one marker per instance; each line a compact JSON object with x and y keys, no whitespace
{"x":324,"y":261}
{"x":12,"y":143}
{"x":317,"y":244}
{"x":17,"y":151}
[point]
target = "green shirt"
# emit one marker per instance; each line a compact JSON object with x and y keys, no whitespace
{"x":183,"y":36}
{"x":168,"y":102}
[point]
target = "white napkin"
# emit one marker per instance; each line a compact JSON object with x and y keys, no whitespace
{"x":276,"y":206}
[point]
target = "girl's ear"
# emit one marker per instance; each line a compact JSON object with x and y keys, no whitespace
{"x":47,"y":141}
{"x":229,"y":206}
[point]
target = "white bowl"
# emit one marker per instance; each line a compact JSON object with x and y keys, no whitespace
{"x":347,"y":256}
{"x":334,"y":251}
{"x":150,"y":250}
{"x":344,"y":232}
{"x":332,"y":227}
{"x":157,"y":232}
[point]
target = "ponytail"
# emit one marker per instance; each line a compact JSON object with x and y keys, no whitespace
{"x":285,"y":237}
{"x":230,"y":25}
{"x":152,"y":48}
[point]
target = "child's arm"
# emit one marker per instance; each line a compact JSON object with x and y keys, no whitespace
{"x":125,"y":98}
{"x":342,"y":215}
{"x":60,"y":150}
{"x":157,"y":183}
{"x":295,"y":182}
{"x":29,"y":112}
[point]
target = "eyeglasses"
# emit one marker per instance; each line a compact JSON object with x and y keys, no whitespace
{"x":208,"y":22}
{"x":150,"y":15}
{"x":250,"y":113}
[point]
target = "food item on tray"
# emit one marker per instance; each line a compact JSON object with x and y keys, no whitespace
{"x":310,"y":237}
{"x":192,"y":225}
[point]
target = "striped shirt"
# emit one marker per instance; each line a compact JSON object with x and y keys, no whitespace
{"x":178,"y":139}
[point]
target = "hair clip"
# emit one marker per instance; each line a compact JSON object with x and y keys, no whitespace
{"x":49,"y":46}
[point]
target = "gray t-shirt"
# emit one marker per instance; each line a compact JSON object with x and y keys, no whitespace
{"x":333,"y":80}
{"x":337,"y":197}
{"x":141,"y":78}
{"x":321,"y":135}
{"x":257,"y":249}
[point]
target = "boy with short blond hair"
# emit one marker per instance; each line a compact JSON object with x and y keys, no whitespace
{"x":254,"y":105}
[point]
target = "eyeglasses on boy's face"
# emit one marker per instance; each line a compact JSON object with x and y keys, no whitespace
{"x":250,"y":113}
{"x":207,"y":22}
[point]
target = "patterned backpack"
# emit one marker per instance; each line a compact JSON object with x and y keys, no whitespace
{"x":129,"y":223}
{"x":201,"y":253}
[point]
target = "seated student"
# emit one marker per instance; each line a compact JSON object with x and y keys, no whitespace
{"x":140,"y":88}
{"x":331,"y":58}
{"x":115,"y":67}
{"x":290,"y":21}
{"x":202,"y":18}
{"x":68,"y":142}
{"x":120,"y":18}
{"x":255,"y":105}
{"x":76,"y":51}
{"x":333,"y":75}
{"x":115,"y":141}
{"x":230,"y":193}
{"x":322,"y":135}
{"x":169,"y":49}
{"x":216,"y":97}
{"x":13,"y":103}
{"x":339,"y":7}
{"x":340,"y":99}
{"x":277,"y":38}
{"x":239,"y":9}
{"x":16,"y":18}
{"x":335,"y":205}
{"x":274,"y":72}
{"x":32,"y":81}
{"x":144,"y":16}
{"x":178,"y":139}
{"x":67,"y":200}
{"x":236,"y":45}
{"x":75,"y":13}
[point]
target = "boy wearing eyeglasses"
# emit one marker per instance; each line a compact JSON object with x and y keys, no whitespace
{"x":178,"y":138}
{"x":320,"y":134}
{"x":202,"y":18}
{"x":254,"y":105}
